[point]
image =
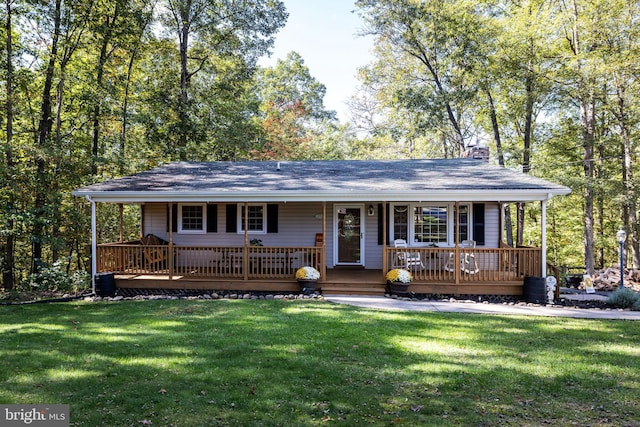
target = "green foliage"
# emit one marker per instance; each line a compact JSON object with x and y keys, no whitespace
{"x":295,"y":124}
{"x":624,"y":298}
{"x":55,"y":278}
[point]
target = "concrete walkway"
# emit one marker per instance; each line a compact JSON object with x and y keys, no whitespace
{"x":385,"y":303}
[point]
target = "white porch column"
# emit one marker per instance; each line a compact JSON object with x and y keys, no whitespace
{"x":543,"y":236}
{"x":94,"y":246}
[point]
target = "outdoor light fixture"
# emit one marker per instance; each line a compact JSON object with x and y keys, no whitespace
{"x":621,"y":235}
{"x":370,"y":211}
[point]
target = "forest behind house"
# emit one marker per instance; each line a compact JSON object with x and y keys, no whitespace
{"x":96,"y":89}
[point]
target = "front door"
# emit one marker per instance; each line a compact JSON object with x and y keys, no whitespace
{"x":349,"y":235}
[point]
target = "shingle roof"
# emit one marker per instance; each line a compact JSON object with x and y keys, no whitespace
{"x":364,"y":179}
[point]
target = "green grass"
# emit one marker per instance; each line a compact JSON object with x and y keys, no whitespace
{"x":210,"y":363}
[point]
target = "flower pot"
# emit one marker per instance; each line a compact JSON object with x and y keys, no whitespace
{"x":307,"y":286}
{"x":398,"y":288}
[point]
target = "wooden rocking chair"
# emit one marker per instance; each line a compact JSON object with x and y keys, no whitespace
{"x":155,"y":252}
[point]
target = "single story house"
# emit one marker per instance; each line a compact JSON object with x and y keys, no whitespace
{"x":250,"y":225}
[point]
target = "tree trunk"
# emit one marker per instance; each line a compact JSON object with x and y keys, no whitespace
{"x":629,"y":205}
{"x":54,"y":189}
{"x":44,"y":130}
{"x":587,"y":114}
{"x":498,"y":140}
{"x":125,"y":108}
{"x":106,"y":39}
{"x":184,"y":96}
{"x":526,"y":152}
{"x":8,"y":256}
{"x":586,"y":100}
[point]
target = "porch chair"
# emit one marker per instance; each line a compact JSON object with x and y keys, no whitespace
{"x":405,"y":258}
{"x":468,"y":262}
{"x":154,"y":253}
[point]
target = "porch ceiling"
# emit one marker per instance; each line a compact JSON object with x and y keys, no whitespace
{"x":307,"y":181}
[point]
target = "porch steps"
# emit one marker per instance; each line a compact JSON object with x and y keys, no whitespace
{"x":352,"y":289}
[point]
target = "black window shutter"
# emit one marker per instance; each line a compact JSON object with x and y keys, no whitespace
{"x":212,"y":218}
{"x":478,"y":223}
{"x":272,"y":218}
{"x":381,"y":224}
{"x":232,"y":218}
{"x":174,"y":218}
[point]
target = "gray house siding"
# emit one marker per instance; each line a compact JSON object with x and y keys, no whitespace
{"x":298,"y":224}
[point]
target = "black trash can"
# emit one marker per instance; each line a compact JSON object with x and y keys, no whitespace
{"x":535,"y":290}
{"x":105,"y":284}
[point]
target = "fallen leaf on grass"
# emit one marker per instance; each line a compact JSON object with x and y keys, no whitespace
{"x":252,"y":391}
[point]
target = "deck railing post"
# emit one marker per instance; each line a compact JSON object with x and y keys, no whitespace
{"x":94,"y":245}
{"x":170,"y":260}
{"x":385,"y":258}
{"x":456,"y":263}
{"x":245,"y":249}
{"x":323,"y":256}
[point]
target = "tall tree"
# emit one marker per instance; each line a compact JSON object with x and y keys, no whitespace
{"x":292,"y":109}
{"x":582,"y":72}
{"x":425,"y":42}
{"x":206,"y":28}
{"x":7,"y":258}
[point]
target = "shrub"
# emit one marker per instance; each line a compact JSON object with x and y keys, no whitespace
{"x":624,"y":298}
{"x":54,"y":278}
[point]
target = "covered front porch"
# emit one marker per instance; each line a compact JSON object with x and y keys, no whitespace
{"x":495,"y":271}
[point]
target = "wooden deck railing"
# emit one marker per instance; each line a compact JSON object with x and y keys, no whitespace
{"x":251,"y":262}
{"x":467,"y":264}
{"x":445,"y":265}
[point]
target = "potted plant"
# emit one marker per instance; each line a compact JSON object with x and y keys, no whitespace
{"x":398,"y":281}
{"x":307,"y":278}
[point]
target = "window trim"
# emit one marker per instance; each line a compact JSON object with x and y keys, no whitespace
{"x":204,"y":218}
{"x":450,"y":222}
{"x":240,"y":222}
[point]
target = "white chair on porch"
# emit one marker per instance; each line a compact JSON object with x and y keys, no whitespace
{"x":468,"y":262}
{"x":405,"y":258}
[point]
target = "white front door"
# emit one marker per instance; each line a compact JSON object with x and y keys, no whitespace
{"x":349,"y":235}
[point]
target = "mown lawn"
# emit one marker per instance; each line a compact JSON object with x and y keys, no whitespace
{"x":223,"y":362}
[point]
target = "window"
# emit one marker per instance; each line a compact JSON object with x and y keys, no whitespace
{"x":192,"y":219}
{"x":463,"y":223}
{"x":400,"y":222}
{"x":256,"y":219}
{"x":430,"y":224}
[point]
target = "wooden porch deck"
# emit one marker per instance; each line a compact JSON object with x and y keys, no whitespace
{"x":337,"y":282}
{"x":497,"y":271}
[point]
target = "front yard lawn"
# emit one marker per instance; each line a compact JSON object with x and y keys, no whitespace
{"x":224,"y":362}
